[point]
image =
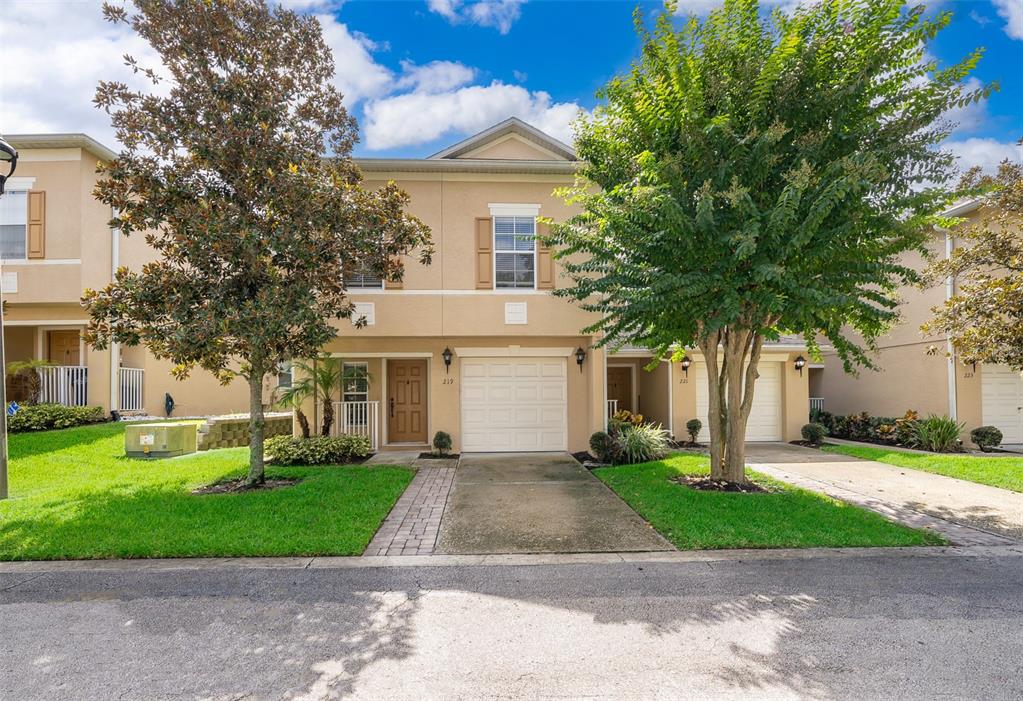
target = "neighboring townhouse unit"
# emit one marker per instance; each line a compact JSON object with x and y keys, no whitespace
{"x":55,"y":242}
{"x":473,"y":344}
{"x":917,"y":371}
{"x":476,"y":346}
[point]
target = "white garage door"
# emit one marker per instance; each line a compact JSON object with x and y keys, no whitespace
{"x":1001,"y":398}
{"x":765,"y":415}
{"x":514,"y":404}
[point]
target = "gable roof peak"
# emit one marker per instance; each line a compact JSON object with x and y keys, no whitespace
{"x":512,"y":125}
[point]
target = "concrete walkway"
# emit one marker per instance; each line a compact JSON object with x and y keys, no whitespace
{"x":538,"y":503}
{"x":965,"y":512}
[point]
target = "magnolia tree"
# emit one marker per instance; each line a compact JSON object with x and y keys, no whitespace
{"x":237,"y":169}
{"x":757,"y":174}
{"x":984,"y":318}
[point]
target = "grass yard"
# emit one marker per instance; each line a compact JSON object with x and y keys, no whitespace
{"x":75,"y":495}
{"x":789,"y":518}
{"x":1004,"y":472}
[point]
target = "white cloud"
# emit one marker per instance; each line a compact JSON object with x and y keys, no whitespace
{"x":418,"y":118}
{"x":356,"y":74}
{"x":436,"y":76}
{"x":499,"y":14}
{"x":986,"y":153}
{"x":1012,"y":12}
{"x":971,"y":117}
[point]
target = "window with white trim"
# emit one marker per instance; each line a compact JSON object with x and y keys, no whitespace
{"x":285,"y":375}
{"x":14,"y":225}
{"x":514,"y":252}
{"x":354,"y":382}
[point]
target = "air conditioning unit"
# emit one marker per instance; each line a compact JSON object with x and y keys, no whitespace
{"x":159,"y":440}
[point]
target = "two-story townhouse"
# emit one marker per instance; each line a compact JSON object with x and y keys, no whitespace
{"x":920,"y":372}
{"x":55,"y":241}
{"x":476,"y":346}
{"x":473,"y":344}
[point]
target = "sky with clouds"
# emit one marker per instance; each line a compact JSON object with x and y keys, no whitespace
{"x":422,"y":74}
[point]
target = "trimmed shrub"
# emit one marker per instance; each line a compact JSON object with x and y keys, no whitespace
{"x":905,"y":428}
{"x":442,"y":442}
{"x":604,"y":447}
{"x":43,"y":417}
{"x":643,"y":443}
{"x":814,"y":433}
{"x":693,"y":427}
{"x":986,"y":437}
{"x":319,"y":450}
{"x":938,"y":433}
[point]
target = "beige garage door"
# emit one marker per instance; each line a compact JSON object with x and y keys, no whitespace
{"x":514,"y":404}
{"x":765,"y":416}
{"x":1002,"y":401}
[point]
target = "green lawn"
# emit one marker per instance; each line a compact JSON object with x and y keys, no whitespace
{"x":790,"y":518}
{"x":74,"y":495}
{"x":1003,"y":472}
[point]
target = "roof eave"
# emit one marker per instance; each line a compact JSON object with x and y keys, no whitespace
{"x":83,"y":141}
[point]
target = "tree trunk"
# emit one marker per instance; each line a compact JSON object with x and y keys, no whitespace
{"x":256,"y":425}
{"x":303,"y":422}
{"x":328,"y":416}
{"x":730,"y":392}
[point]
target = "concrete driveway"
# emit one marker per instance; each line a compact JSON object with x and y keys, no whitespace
{"x":537,"y":503}
{"x":978,"y":506}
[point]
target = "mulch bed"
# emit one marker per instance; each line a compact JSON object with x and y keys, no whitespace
{"x":706,"y":484}
{"x":435,"y":456}
{"x":584,"y":457}
{"x":808,"y":444}
{"x":238,"y":485}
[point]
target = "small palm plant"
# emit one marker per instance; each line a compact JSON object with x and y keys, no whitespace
{"x":321,"y":379}
{"x":27,"y":371}
{"x":293,"y":397}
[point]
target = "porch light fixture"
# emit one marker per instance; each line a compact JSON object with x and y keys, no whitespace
{"x":685,"y":363}
{"x":580,"y":357}
{"x":447,"y":354}
{"x":800,"y":364}
{"x":9,"y":156}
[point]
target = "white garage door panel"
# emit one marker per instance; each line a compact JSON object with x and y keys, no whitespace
{"x":765,"y":418}
{"x":514,"y":405}
{"x":1001,"y":398}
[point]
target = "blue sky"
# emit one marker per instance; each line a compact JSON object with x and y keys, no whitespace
{"x":422,"y":74}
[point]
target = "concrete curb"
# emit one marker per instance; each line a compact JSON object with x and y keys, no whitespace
{"x":357,"y":562}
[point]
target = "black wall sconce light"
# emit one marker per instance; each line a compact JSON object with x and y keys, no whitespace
{"x":685,"y":363}
{"x":580,"y":357}
{"x":800,"y":364}
{"x":447,"y":355}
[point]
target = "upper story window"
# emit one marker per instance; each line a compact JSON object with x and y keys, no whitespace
{"x":14,"y":225}
{"x":285,"y":375}
{"x":363,"y":281}
{"x":514,"y":252}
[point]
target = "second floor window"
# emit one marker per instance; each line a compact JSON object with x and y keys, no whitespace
{"x":363,"y":281}
{"x":514,"y":252}
{"x":13,"y":224}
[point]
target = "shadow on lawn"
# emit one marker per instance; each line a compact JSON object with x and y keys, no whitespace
{"x":31,"y":443}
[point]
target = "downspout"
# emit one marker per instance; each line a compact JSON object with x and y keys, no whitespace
{"x":115,"y":349}
{"x":953,"y":395}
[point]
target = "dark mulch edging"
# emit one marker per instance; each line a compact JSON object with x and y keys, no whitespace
{"x":238,"y":485}
{"x":808,"y":444}
{"x":435,"y":456}
{"x":706,"y":484}
{"x":583,"y":457}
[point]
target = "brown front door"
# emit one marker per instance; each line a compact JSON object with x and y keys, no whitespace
{"x":65,"y":348}
{"x":406,"y":401}
{"x":619,"y":386}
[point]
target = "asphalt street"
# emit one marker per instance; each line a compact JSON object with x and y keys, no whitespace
{"x":885,"y":626}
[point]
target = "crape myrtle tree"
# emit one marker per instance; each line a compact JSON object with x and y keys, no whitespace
{"x":237,"y":169}
{"x":756,"y":175}
{"x":984,"y":318}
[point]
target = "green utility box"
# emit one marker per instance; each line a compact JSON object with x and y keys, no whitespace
{"x":159,"y":440}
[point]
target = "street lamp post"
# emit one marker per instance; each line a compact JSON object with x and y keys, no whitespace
{"x":8,"y":156}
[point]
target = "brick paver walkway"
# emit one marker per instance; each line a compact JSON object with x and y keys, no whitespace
{"x":414,"y":523}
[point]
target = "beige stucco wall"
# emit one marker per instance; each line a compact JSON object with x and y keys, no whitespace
{"x":512,"y":147}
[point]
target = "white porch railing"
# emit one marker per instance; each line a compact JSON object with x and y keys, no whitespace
{"x":817,"y":403}
{"x":359,"y":418}
{"x":131,"y":388}
{"x":612,"y":407}
{"x":64,"y":384}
